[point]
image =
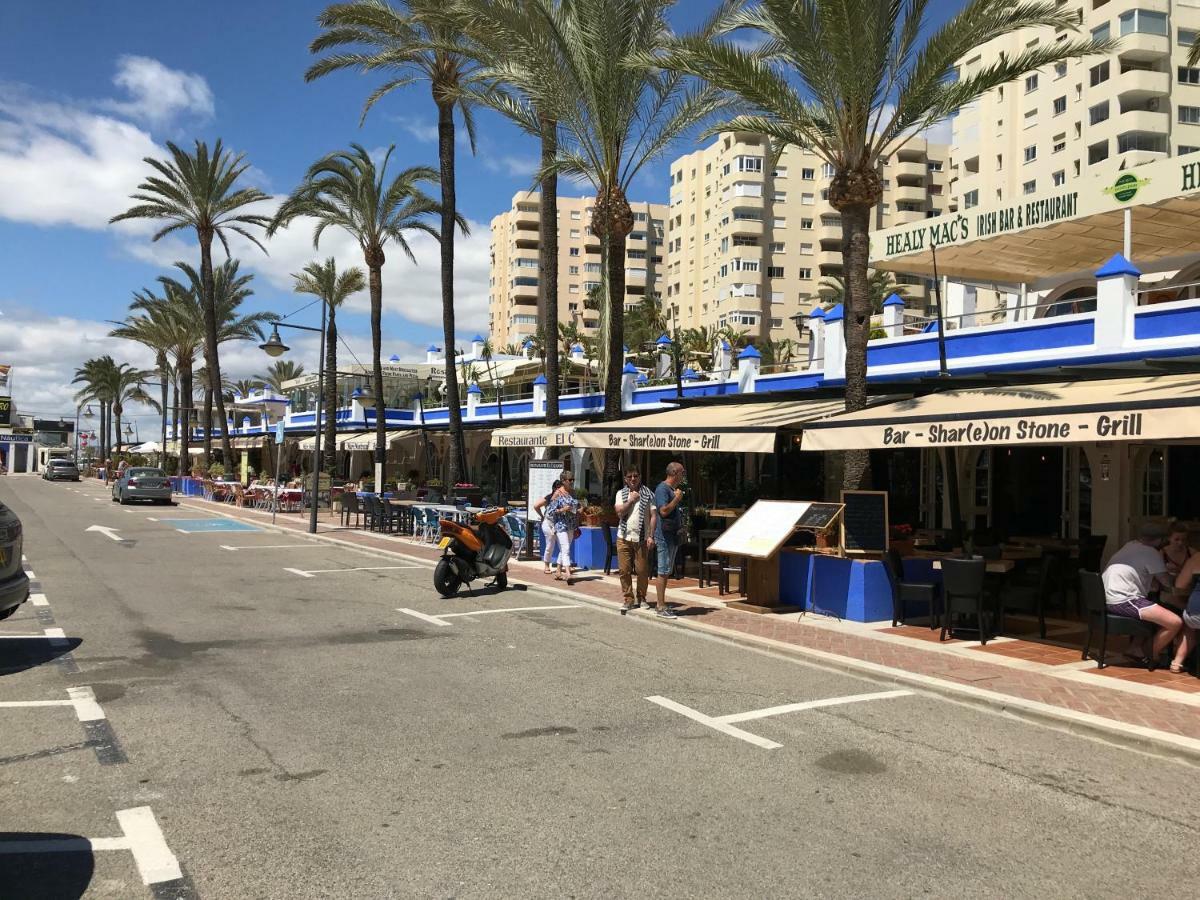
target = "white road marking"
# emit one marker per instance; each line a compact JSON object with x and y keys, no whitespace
{"x":151,"y":519}
{"x":39,"y":600}
{"x":25,"y":704}
{"x":484,"y":612}
{"x":810,"y":704}
{"x":106,"y":530}
{"x":82,"y":698}
{"x":432,"y":620}
{"x":153,"y":858}
{"x":29,"y":574}
{"x":264,"y":546}
{"x":56,"y":636}
{"x":724,"y":724}
{"x":715,"y":724}
{"x":309,"y":573}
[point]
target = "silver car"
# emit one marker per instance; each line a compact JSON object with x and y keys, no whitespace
{"x":142,"y":483}
{"x":60,"y":470}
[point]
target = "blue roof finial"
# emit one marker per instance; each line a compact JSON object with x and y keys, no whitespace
{"x":663,"y":340}
{"x":725,"y":345}
{"x":749,"y":352}
{"x":1118,"y":265}
{"x":474,"y":389}
{"x":477,"y":339}
{"x":393,"y":358}
{"x":630,"y":369}
{"x":836,"y":314}
{"x":688,"y":374}
{"x":577,"y":347}
{"x":642,"y":379}
{"x":893,"y":300}
{"x":541,"y":379}
{"x":818,"y":312}
{"x":432,"y":348}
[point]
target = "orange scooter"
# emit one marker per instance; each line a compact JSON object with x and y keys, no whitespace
{"x":472,"y":553}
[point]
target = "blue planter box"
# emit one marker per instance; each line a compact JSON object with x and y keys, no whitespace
{"x":588,"y":550}
{"x":858,"y":590}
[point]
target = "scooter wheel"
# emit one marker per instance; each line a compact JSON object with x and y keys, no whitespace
{"x":445,"y":579}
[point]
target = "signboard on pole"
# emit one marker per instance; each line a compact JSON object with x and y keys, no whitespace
{"x":542,"y":474}
{"x":5,"y":410}
{"x":279,"y":433}
{"x":761,"y":530}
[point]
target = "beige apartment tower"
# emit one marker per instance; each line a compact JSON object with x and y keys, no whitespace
{"x":748,"y":246}
{"x":513,"y":286}
{"x":1087,"y":117}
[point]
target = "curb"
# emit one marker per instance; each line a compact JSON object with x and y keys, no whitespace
{"x":1130,"y":737}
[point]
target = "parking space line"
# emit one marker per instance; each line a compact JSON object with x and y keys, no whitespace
{"x":724,"y":724}
{"x":38,"y":599}
{"x":432,"y":620}
{"x":29,"y":574}
{"x":266,"y":547}
{"x":309,"y":573}
{"x":439,"y":619}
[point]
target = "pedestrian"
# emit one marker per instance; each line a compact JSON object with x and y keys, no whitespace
{"x":562,"y":510}
{"x":635,"y":536}
{"x":667,"y":497}
{"x":1132,"y":574}
{"x":550,"y":542}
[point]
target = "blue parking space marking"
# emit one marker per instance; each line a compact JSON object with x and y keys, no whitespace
{"x":194,"y":525}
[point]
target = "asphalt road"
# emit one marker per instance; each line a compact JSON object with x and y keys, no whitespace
{"x":297,"y":736}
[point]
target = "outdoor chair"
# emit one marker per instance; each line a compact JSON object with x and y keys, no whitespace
{"x":370,"y":512}
{"x":1100,"y":623}
{"x":350,"y":508}
{"x":922,"y":593}
{"x":962,"y":595}
{"x":1030,"y":593}
{"x":392,"y":516}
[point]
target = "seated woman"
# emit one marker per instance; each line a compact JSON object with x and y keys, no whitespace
{"x":1176,"y":553}
{"x":1132,"y":574}
{"x":1188,"y":579}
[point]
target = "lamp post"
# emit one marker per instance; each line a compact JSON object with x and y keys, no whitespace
{"x":87,"y":414}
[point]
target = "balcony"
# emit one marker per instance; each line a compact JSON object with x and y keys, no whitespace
{"x":746,"y":226}
{"x":908,"y":193}
{"x":525,"y":288}
{"x":1137,"y":85}
{"x":908,"y":169}
{"x":526,"y":240}
{"x":527,"y":216}
{"x":1142,"y":47}
{"x":635,"y":276}
{"x":1144,"y":120}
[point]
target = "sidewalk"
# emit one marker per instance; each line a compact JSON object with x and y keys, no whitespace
{"x":1152,"y":711}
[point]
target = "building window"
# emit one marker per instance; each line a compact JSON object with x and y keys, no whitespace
{"x":777,"y":247}
{"x":1098,"y":74}
{"x":780,"y":172}
{"x":574,"y":289}
{"x":1060,"y":143}
{"x":1098,"y":113}
{"x":750,"y":163}
{"x":780,"y":223}
{"x":1102,"y":32}
{"x":573,"y":270}
{"x":1189,"y":115}
{"x":1031,"y":83}
{"x":573,"y":251}
{"x":1185,"y":149}
{"x":1188,"y":75}
{"x":808,"y":174}
{"x":805,"y":274}
{"x":774,"y":271}
{"x":575,"y":232}
{"x":806,"y":199}
{"x":1154,"y":484}
{"x":1060,"y":105}
{"x":971,"y":199}
{"x":575,"y":215}
{"x":1140,"y":140}
{"x":1097,"y":153}
{"x":1060,"y":178}
{"x":806,"y":224}
{"x":1143,"y":21}
{"x":1031,"y":153}
{"x":806,"y":249}
{"x":1185,"y":37}
{"x":827,"y":170}
{"x":1060,"y":70}
{"x":1030,"y":118}
{"x":777,"y":323}
{"x":935,"y":165}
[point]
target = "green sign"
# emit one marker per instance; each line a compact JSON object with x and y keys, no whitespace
{"x":1126,"y":187}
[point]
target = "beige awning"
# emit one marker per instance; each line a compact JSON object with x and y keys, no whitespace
{"x":362,"y":440}
{"x":525,"y":437}
{"x":733,"y":428}
{"x":1142,"y":408}
{"x":249,"y":443}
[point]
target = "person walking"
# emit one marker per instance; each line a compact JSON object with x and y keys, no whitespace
{"x":549,"y":542}
{"x":563,"y":509}
{"x":635,"y":536}
{"x":667,"y":497}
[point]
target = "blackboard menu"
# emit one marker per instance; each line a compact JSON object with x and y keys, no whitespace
{"x":819,"y":516}
{"x":865,"y":521}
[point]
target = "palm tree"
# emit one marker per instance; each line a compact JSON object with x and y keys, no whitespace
{"x":414,"y":41}
{"x":880,"y":286}
{"x":280,"y":371}
{"x":95,"y":377}
{"x":645,"y":322}
{"x":348,"y":191}
{"x":513,"y":43}
{"x":244,"y":387}
{"x":154,"y":331}
{"x":854,"y":80}
{"x":616,"y":118}
{"x":198,"y":191}
{"x":125,"y":386}
{"x":333,"y":287}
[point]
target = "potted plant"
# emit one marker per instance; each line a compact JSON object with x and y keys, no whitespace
{"x":901,"y":539}
{"x":591,"y":515}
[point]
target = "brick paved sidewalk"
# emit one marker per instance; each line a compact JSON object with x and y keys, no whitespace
{"x":1144,"y":714}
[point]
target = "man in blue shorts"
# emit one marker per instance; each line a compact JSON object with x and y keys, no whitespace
{"x":667,"y":497}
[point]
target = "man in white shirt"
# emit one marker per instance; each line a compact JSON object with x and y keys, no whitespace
{"x":635,"y":535}
{"x":1132,"y":574}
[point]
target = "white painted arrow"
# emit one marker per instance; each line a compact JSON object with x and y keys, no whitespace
{"x":110,"y":533}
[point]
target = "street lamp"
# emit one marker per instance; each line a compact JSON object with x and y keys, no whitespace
{"x":274,"y":346}
{"x":87,"y":414}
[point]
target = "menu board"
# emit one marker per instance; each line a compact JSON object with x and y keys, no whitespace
{"x":542,"y":475}
{"x":820,"y":516}
{"x":761,"y":530}
{"x":865,"y":522}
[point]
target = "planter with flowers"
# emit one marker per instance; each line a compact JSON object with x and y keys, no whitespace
{"x":901,"y":539}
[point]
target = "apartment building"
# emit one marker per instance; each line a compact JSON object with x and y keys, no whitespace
{"x":748,"y":246}
{"x":1085,"y":117}
{"x":513,"y":290}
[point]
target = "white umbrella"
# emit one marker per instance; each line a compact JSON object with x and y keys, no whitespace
{"x":148,"y":447}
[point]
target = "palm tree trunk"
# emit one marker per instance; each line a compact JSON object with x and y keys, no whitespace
{"x":856,"y":325}
{"x":446,"y":164}
{"x":103,"y":431}
{"x":331,"y":395}
{"x":208,"y":422}
{"x":185,"y":413}
{"x":375,"y":287}
{"x":211,"y":359}
{"x":162,"y":379}
{"x":548,"y":264}
{"x":117,"y":416}
{"x":179,"y":470}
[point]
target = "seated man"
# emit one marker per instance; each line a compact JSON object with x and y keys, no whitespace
{"x":1132,"y":574}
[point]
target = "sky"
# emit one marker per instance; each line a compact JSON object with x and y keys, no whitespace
{"x":88,"y":90}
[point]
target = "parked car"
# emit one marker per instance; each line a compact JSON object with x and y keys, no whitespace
{"x":142,"y":483}
{"x":61,"y":470}
{"x":14,"y":583}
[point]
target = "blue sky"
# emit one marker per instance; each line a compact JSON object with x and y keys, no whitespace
{"x":87,"y":89}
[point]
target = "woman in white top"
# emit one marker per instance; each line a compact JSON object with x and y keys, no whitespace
{"x":551,"y":541}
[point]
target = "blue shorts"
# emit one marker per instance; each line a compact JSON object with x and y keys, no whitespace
{"x":666,"y":549}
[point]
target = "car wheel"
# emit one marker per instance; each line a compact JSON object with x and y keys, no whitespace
{"x":8,"y":612}
{"x":114,"y":498}
{"x":122,"y":499}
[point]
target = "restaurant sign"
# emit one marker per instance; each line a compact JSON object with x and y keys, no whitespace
{"x":16,"y":438}
{"x":1150,"y":183}
{"x":519,"y":438}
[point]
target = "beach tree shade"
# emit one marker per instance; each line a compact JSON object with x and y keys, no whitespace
{"x":413,"y":42}
{"x":521,"y":74}
{"x":199,"y":191}
{"x":347,"y":190}
{"x":854,"y":80}
{"x":322,"y":279}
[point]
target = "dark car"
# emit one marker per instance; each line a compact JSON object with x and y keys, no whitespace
{"x":14,"y":583}
{"x":142,"y":483}
{"x":60,"y":470}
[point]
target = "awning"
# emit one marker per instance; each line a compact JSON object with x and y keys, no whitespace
{"x":362,"y":440}
{"x":1143,"y":408}
{"x":531,"y":436}
{"x":733,"y":428}
{"x":249,"y":443}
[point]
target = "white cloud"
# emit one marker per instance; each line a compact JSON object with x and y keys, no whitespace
{"x":515,"y":166}
{"x":158,"y":94}
{"x":419,"y":129}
